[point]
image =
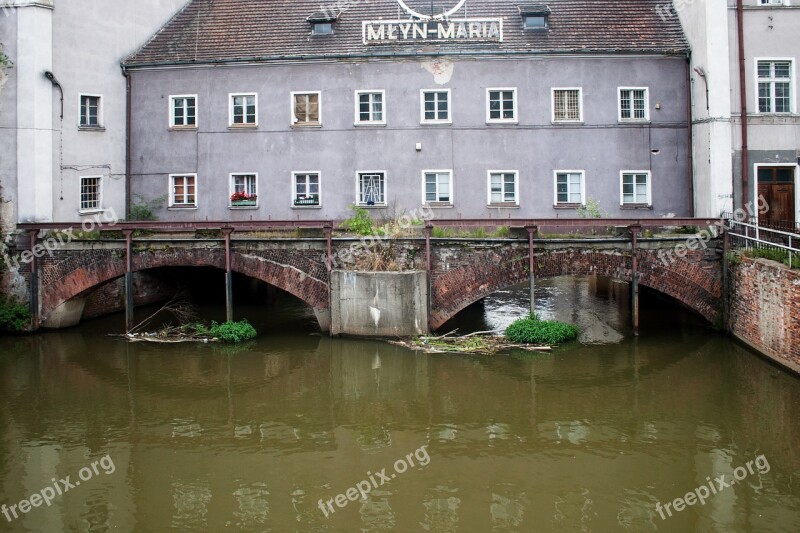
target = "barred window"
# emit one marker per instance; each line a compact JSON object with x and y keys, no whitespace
{"x":90,"y":193}
{"x":371,"y":188}
{"x":567,"y":105}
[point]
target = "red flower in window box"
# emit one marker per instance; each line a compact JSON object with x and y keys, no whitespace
{"x":242,"y":198}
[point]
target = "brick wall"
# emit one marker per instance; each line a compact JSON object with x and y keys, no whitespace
{"x":765,"y":309}
{"x":110,"y":298}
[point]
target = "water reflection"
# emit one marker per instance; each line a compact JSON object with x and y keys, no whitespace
{"x":589,"y":437}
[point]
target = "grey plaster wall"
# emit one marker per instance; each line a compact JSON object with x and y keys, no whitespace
{"x":8,"y":124}
{"x":379,"y":304}
{"x":535,"y":147}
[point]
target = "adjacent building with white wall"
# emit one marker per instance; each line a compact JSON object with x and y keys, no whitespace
{"x":734,"y":163}
{"x":63,"y":162}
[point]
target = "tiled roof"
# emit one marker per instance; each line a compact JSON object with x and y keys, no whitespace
{"x":208,"y":31}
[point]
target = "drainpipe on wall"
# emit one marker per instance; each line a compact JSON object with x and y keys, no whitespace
{"x":743,"y":100}
{"x":691,"y":134}
{"x":128,"y":108}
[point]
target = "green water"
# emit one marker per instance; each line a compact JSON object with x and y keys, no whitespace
{"x":587,"y":438}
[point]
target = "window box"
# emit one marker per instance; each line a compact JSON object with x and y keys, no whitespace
{"x":306,"y":202}
{"x":244,"y":203}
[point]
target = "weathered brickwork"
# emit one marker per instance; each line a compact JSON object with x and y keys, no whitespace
{"x":765,"y":309}
{"x":110,"y":298}
{"x":463,"y":274}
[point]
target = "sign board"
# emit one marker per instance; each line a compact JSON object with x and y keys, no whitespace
{"x":430,"y":30}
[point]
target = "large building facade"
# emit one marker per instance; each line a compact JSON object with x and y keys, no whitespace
{"x":288,"y":110}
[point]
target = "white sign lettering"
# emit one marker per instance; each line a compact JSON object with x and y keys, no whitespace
{"x":393,"y":31}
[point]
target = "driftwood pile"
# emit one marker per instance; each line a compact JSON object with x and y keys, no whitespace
{"x":480,"y":342}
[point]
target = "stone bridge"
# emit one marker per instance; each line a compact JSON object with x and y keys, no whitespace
{"x":460,"y":271}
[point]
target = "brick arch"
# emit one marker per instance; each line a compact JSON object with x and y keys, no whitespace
{"x":79,"y":273}
{"x":461,"y":279}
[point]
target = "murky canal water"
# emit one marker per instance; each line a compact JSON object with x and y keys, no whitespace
{"x":588,"y":438}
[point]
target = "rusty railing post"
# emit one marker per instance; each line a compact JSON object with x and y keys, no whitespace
{"x":635,"y":229}
{"x":34,"y":289}
{"x":129,"y":303}
{"x":428,"y":268}
{"x":328,"y":229}
{"x":228,"y":275}
{"x":532,"y":230}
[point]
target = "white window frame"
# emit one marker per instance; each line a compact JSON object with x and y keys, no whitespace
{"x":646,"y":104}
{"x":358,"y":121}
{"x":293,"y":118}
{"x":296,"y":173}
{"x":231,"y":106}
{"x":172,"y":124}
{"x":448,"y":120}
{"x":170,"y":190}
{"x":99,"y":207}
{"x":556,"y":203}
{"x":649,"y":201}
{"x":792,"y":85}
{"x":100,"y":114}
{"x":772,"y":2}
{"x":385,"y":202}
{"x":437,"y":202}
{"x":489,"y":202}
{"x":553,"y":105}
{"x":231,"y":190}
{"x":515,"y":103}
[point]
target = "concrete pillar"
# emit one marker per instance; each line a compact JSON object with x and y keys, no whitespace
{"x":228,"y":276}
{"x":635,"y":229}
{"x":531,"y":276}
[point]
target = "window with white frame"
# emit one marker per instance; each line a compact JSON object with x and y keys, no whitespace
{"x":635,"y":188}
{"x":244,"y":190}
{"x":438,"y":186}
{"x":503,"y":185}
{"x":775,"y":86}
{"x":567,"y":105}
{"x":183,"y":111}
{"x":771,"y":2}
{"x":370,"y":107}
{"x":569,"y":187}
{"x":91,"y":111}
{"x":501,"y":105}
{"x":91,"y":193}
{"x":306,"y":192}
{"x":183,"y":190}
{"x":436,"y":107}
{"x":633,"y":104}
{"x":306,"y":109}
{"x":371,"y":188}
{"x":244,"y":110}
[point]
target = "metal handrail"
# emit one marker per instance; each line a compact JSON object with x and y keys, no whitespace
{"x":765,"y":243}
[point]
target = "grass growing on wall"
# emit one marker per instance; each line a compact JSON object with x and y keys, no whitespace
{"x":533,"y":330}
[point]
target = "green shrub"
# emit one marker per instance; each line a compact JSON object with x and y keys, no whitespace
{"x":233,"y":332}
{"x":360,"y":223}
{"x":14,"y":315}
{"x":142,"y":210}
{"x":532,"y":330}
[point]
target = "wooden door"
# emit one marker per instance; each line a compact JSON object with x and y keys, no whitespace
{"x":776,"y":184}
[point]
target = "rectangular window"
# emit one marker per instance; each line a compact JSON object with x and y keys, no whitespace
{"x":569,"y":187}
{"x":501,"y":105}
{"x":635,"y":187}
{"x":306,"y":189}
{"x":91,"y":189}
{"x":371,"y":188}
{"x":774,"y":86}
{"x":503,"y":187}
{"x":244,"y":190}
{"x":567,"y":105}
{"x":370,"y":107}
{"x":322,"y":28}
{"x":771,"y":2}
{"x":183,"y":190}
{"x":535,"y":22}
{"x":91,"y":112}
{"x":438,"y":186}
{"x":633,"y":104}
{"x":183,"y":111}
{"x":436,"y":107}
{"x":244,"y":110}
{"x":306,"y":109}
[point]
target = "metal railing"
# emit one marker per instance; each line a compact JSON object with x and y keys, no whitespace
{"x":758,"y":237}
